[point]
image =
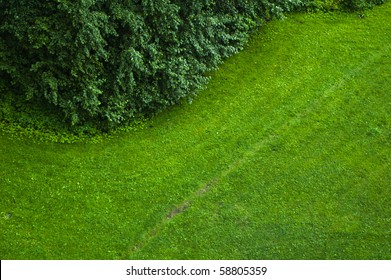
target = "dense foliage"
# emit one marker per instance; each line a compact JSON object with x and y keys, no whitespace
{"x":104,"y":62}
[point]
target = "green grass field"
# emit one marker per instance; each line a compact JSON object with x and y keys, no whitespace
{"x":285,"y":155}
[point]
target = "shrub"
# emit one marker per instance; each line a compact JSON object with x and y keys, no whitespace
{"x":100,"y":63}
{"x":106,"y":62}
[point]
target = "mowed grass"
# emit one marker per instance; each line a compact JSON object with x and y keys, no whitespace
{"x":285,"y":155}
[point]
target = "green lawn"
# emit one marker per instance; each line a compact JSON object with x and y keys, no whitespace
{"x":285,"y":155}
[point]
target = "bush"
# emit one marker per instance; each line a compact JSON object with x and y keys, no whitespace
{"x":106,"y":62}
{"x":100,"y":63}
{"x":345,"y":5}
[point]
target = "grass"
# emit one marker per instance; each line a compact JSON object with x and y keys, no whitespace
{"x":286,"y":155}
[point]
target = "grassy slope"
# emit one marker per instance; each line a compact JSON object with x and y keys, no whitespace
{"x":285,"y":155}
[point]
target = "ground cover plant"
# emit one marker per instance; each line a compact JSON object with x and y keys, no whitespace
{"x":286,"y":155}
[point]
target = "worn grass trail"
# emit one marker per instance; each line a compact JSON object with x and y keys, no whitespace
{"x":265,"y":143}
{"x":285,"y":155}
